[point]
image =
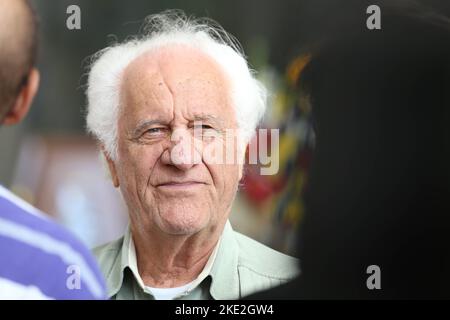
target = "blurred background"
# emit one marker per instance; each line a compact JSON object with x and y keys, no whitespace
{"x":49,"y":160}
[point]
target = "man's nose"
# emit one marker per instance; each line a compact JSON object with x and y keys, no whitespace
{"x":183,"y":152}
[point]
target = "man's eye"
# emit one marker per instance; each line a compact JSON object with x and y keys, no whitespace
{"x":203,"y":127}
{"x":205,"y":131}
{"x":155,"y":131}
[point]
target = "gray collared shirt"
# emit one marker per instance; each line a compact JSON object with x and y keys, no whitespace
{"x":238,"y":267}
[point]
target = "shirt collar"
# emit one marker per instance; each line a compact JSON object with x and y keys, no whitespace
{"x":224,"y":273}
{"x":221,"y":266}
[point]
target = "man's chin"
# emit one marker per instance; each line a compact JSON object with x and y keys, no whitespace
{"x":182,"y":228}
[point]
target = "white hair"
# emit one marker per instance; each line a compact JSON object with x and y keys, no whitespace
{"x":170,"y":27}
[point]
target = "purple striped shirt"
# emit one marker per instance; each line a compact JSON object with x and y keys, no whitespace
{"x":41,"y":260}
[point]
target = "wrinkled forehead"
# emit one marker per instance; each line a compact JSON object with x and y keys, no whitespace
{"x":180,"y":69}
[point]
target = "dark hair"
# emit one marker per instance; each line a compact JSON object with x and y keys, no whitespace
{"x":18,"y":55}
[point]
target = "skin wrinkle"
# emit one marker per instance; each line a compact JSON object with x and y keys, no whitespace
{"x":174,"y":233}
{"x":150,"y":175}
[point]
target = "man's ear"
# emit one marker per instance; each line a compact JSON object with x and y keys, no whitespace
{"x":24,"y":99}
{"x":112,"y":169}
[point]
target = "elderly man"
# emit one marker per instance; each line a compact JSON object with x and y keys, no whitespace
{"x":156,"y":104}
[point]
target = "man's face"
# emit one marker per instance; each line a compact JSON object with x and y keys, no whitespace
{"x":164,"y":95}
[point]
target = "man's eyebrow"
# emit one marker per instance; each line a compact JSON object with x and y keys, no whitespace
{"x":210,"y":118}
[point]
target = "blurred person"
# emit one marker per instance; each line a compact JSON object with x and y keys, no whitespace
{"x":38,"y":258}
{"x":379,"y":189}
{"x":147,"y":98}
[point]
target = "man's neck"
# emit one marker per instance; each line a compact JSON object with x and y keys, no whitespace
{"x":174,"y":260}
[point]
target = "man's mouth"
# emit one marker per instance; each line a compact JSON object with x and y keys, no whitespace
{"x":180,"y":185}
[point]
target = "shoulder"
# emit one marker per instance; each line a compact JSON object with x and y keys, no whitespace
{"x":107,"y":255}
{"x":261,"y":267}
{"x":109,"y":258}
{"x":109,"y":249}
{"x":33,"y":228}
{"x":28,"y":236}
{"x":266,"y":261}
